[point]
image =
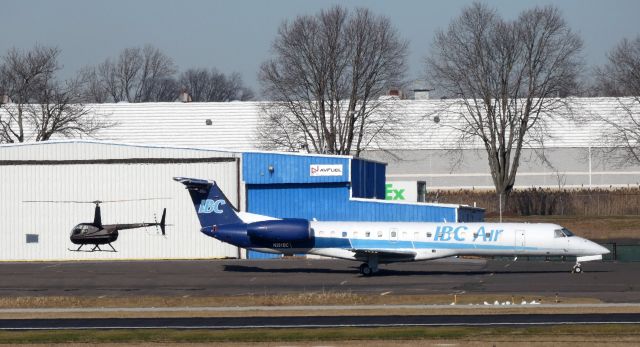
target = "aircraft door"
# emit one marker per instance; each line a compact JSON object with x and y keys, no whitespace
{"x":394,"y":234}
{"x":520,"y":240}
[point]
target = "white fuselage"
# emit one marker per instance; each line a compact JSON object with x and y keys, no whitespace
{"x":426,"y":241}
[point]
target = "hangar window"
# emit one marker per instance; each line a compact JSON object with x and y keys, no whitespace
{"x":32,"y":238}
{"x":379,"y":233}
{"x":367,"y":234}
{"x":344,"y":234}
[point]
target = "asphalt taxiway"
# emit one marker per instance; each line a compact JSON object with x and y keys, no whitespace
{"x":318,"y":321}
{"x":607,"y":281}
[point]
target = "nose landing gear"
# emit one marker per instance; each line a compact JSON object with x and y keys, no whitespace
{"x":577,"y":269}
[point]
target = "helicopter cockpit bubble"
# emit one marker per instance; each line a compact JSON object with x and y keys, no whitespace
{"x":79,"y":229}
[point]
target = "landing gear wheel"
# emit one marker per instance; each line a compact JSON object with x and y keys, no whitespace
{"x":577,"y":269}
{"x":365,"y":270}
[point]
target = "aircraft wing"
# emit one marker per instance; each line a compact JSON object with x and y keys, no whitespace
{"x":385,"y":254}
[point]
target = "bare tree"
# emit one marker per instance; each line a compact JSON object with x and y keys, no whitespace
{"x":92,"y":89}
{"x":23,"y":74}
{"x":42,"y":107}
{"x":156,"y":67}
{"x":166,"y":90}
{"x":506,"y":78}
{"x":620,"y":78}
{"x":137,"y":75}
{"x":212,"y":85}
{"x":325,"y":80}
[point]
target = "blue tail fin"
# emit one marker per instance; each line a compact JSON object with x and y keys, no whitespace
{"x":211,"y":204}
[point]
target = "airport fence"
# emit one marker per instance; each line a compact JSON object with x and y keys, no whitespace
{"x":546,"y":201}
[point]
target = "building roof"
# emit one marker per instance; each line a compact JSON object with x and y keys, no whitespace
{"x":232,"y":125}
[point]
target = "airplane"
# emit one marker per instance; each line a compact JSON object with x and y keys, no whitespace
{"x":375,"y":243}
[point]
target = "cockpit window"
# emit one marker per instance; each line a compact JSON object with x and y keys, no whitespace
{"x":564,"y":232}
{"x":567,"y":232}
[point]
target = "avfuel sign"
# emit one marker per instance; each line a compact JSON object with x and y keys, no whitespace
{"x":401,"y":191}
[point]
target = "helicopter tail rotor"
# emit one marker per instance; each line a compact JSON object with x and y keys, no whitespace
{"x":162,"y":220}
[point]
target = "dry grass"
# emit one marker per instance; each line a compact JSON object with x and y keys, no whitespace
{"x":259,"y":305}
{"x":299,"y":299}
{"x":595,"y":228}
{"x":537,"y":201}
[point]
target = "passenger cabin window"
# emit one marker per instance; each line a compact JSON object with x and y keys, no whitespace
{"x":367,"y":234}
{"x":415,"y":235}
{"x":344,"y":234}
{"x":428,"y":235}
{"x":379,"y":233}
{"x":393,"y":234}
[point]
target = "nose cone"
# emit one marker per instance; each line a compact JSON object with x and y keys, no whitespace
{"x":595,"y":249}
{"x":600,"y":249}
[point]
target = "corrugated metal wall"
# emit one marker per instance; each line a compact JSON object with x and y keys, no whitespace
{"x":148,"y":175}
{"x":332,"y":202}
{"x":289,"y":168}
{"x":367,"y":179}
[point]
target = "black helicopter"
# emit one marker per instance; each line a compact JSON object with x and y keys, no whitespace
{"x":96,"y":233}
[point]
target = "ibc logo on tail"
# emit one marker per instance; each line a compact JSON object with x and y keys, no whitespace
{"x":208,"y":206}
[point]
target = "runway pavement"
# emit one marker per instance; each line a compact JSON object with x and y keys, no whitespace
{"x":608,"y":281}
{"x":318,"y":321}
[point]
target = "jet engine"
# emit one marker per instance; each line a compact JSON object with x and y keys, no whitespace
{"x":287,"y":230}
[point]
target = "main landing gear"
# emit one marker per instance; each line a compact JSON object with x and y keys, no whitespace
{"x":371,"y":266}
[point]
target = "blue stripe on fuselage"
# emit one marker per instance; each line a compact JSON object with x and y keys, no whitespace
{"x":336,"y":242}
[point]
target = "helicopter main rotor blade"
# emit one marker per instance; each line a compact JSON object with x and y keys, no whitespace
{"x":127,"y":200}
{"x":61,"y":201}
{"x":94,"y":201}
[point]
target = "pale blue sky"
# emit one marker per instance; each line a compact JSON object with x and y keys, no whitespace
{"x":236,"y":35}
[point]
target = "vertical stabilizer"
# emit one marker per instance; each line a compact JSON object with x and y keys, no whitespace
{"x":212,"y":206}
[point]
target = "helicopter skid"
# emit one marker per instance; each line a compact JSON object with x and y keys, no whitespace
{"x":96,"y":248}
